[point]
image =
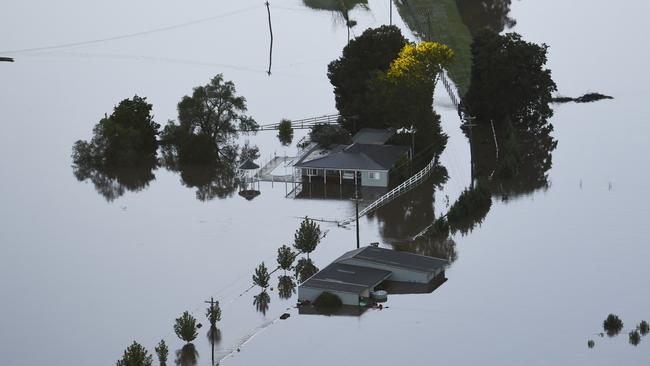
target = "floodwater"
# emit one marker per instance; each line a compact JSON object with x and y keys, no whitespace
{"x":81,"y":278}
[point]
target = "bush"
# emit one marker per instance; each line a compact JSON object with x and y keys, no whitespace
{"x":612,"y":325}
{"x":644,"y":328}
{"x":328,"y":301}
{"x":635,"y":338}
{"x":285,"y":132}
{"x":591,"y":343}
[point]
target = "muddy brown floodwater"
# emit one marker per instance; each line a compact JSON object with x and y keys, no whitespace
{"x":81,"y":278}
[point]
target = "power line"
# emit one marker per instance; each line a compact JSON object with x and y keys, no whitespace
{"x":130,"y":35}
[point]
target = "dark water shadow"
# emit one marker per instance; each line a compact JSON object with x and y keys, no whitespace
{"x":304,"y":269}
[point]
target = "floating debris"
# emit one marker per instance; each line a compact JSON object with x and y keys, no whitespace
{"x":285,"y":316}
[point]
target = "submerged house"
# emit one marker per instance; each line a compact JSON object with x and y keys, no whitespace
{"x":356,"y":274}
{"x":366,"y":162}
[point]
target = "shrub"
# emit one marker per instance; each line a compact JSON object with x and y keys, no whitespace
{"x":644,"y":328}
{"x":591,"y":343}
{"x":612,"y":325}
{"x":285,"y":257}
{"x":635,"y":338}
{"x":285,"y":132}
{"x":328,"y":301}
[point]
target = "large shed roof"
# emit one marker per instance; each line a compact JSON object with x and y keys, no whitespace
{"x":346,"y":278}
{"x":395,"y":258}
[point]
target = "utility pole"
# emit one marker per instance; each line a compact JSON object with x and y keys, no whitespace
{"x":211,"y":302}
{"x":268,"y":10}
{"x":390,"y":6}
{"x":356,"y":200}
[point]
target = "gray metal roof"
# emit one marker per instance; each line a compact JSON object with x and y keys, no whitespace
{"x":373,"y":136}
{"x":346,"y":278}
{"x":394,"y":258}
{"x":358,"y":157}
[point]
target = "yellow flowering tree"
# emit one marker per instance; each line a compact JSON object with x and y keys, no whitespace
{"x":420,"y":62}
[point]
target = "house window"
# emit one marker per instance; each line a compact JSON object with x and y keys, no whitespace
{"x":312,"y":172}
{"x":373,"y":175}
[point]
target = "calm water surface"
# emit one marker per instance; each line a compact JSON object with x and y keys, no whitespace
{"x":81,"y":278}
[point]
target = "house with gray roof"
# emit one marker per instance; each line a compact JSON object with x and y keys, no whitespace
{"x":366,"y":162}
{"x":355,"y":275}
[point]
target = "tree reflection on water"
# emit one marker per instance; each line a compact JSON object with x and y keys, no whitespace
{"x":113,"y":181}
{"x":262,"y":301}
{"x":187,"y":356}
{"x":480,"y":14}
{"x":305,"y":268}
{"x":286,"y":287}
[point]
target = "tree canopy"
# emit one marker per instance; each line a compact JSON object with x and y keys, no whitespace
{"x":213,"y":313}
{"x":122,"y":152}
{"x":285,"y":257}
{"x":135,"y":355}
{"x":213,"y":111}
{"x":307,"y":236}
{"x":185,"y":327}
{"x":352,"y":75}
{"x":261,"y":276}
{"x":509,"y":81}
{"x":163,"y":352}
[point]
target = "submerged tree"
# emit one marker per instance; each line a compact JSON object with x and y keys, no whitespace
{"x":634,"y":338}
{"x":185,"y":327}
{"x":261,"y":276}
{"x":163,"y":352}
{"x":135,"y":355}
{"x":612,"y":325}
{"x":353,"y":74}
{"x":216,"y":114}
{"x":285,"y":132}
{"x":307,"y":236}
{"x":285,"y":257}
{"x":122,"y":153}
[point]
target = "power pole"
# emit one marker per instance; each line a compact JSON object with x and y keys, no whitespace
{"x":268,"y":10}
{"x":390,"y":6}
{"x":211,"y":302}
{"x":356,"y":200}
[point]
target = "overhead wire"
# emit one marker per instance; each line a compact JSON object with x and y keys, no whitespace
{"x":130,"y":35}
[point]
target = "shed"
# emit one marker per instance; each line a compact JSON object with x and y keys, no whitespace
{"x":349,"y":283}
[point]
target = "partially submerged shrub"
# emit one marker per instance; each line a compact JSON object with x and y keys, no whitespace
{"x":635,"y":338}
{"x":591,"y":343}
{"x":644,"y":328}
{"x":328,"y":301}
{"x":612,"y":325}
